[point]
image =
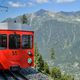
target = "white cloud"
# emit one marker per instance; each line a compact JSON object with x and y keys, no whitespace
{"x":51,"y":1}
{"x":34,"y":2}
{"x":30,"y":4}
{"x":64,"y":1}
{"x":41,"y":1}
{"x":16,"y":4}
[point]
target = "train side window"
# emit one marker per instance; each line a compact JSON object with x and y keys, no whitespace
{"x":14,"y":41}
{"x":3,"y":41}
{"x":26,"y":41}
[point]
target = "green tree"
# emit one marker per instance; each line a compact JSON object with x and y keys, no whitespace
{"x":39,"y":60}
{"x":52,"y":51}
{"x":67,"y":77}
{"x":46,"y":68}
{"x":24,"y":19}
{"x":56,"y":73}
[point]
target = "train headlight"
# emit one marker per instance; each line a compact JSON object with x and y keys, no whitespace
{"x":29,"y":60}
{"x":29,"y":53}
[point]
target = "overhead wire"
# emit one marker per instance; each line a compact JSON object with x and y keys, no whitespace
{"x":2,"y":6}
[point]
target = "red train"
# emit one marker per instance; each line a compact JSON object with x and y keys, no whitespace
{"x":16,"y":46}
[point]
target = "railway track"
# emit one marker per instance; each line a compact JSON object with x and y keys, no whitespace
{"x":23,"y":74}
{"x":10,"y":75}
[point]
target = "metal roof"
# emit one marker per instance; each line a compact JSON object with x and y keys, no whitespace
{"x":15,"y":26}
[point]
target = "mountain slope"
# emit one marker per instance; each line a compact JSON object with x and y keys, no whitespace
{"x":61,"y":31}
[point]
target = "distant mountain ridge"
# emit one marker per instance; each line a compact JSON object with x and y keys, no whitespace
{"x":58,"y":30}
{"x":61,"y":16}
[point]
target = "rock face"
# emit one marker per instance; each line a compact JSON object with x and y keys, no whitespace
{"x":33,"y":74}
{"x":23,"y":74}
{"x":61,"y":31}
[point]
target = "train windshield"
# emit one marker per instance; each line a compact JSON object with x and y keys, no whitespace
{"x":26,"y":41}
{"x":3,"y":41}
{"x":14,"y":41}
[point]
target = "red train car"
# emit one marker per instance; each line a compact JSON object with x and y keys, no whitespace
{"x":16,"y":46}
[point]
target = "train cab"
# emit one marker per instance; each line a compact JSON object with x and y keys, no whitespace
{"x":16,"y":46}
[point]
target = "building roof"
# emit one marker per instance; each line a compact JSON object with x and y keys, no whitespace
{"x":15,"y":26}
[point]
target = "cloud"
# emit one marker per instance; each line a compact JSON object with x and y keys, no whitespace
{"x":52,"y":1}
{"x":16,"y":4}
{"x":41,"y":1}
{"x":64,"y":1}
{"x":34,"y":2}
{"x":30,"y":4}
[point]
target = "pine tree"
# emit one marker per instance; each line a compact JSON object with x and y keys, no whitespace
{"x":38,"y":60}
{"x":24,"y":19}
{"x":56,"y":73}
{"x":46,"y":68}
{"x":67,"y":77}
{"x":52,"y":53}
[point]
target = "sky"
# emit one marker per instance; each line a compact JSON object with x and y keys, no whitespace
{"x":20,"y":7}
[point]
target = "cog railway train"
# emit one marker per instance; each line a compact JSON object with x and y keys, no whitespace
{"x":16,"y":46}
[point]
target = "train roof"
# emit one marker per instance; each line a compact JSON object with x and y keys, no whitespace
{"x":15,"y":26}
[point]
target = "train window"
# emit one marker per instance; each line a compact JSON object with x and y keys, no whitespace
{"x":3,"y":41}
{"x":26,"y":41}
{"x":14,"y":41}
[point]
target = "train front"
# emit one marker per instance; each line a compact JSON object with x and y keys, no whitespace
{"x":16,"y":48}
